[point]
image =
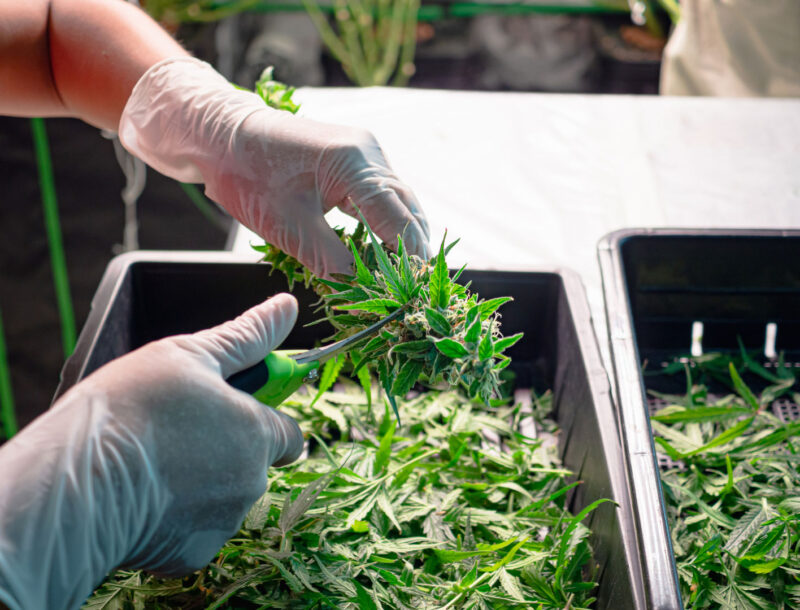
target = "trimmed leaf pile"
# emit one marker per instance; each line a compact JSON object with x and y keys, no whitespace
{"x":446,"y":336}
{"x":733,"y":490}
{"x":453,"y":509}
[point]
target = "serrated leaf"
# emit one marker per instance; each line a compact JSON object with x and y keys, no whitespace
{"x":363,"y":598}
{"x":440,"y":281}
{"x":511,"y":585}
{"x":697,"y":414}
{"x":742,"y":388}
{"x":474,"y":331}
{"x":487,"y":308}
{"x":330,"y":373}
{"x":390,"y":275}
{"x":363,"y":275}
{"x":293,"y":510}
{"x":380,"y":306}
{"x":505,"y":342}
{"x":365,"y":379}
{"x":258,"y":514}
{"x":385,"y":449}
{"x":451,"y":348}
{"x":411,"y":347}
{"x":406,"y":377}
{"x":435,"y":528}
{"x":486,"y":347}
{"x":438,"y":322}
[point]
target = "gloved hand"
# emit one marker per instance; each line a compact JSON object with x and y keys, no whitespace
{"x":276,"y":173}
{"x":150,"y":462}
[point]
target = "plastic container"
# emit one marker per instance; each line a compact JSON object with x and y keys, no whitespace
{"x":670,"y":293}
{"x":148,"y":295}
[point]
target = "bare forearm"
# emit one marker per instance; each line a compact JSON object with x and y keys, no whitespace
{"x":76,"y":58}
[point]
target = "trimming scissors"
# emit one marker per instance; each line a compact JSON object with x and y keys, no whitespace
{"x":282,"y":372}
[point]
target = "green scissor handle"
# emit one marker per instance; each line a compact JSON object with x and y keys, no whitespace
{"x":275,"y":378}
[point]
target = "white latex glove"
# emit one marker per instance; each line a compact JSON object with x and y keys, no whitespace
{"x":276,"y":173}
{"x":150,"y":462}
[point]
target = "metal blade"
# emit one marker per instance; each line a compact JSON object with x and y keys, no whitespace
{"x":321,"y":354}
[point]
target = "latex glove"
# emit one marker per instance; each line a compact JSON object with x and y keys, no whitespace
{"x":150,"y":462}
{"x":276,"y":173}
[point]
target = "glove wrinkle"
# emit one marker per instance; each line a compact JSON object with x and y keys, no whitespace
{"x":276,"y":173}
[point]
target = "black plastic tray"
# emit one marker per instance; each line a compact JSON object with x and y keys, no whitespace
{"x":658,"y":284}
{"x":148,"y":295}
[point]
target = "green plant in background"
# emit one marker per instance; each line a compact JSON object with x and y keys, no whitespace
{"x":447,"y":335}
{"x":733,"y":493}
{"x":373,"y":40}
{"x":174,"y":12}
{"x":453,"y":509}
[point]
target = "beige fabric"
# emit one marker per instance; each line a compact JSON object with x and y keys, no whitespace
{"x":734,"y":48}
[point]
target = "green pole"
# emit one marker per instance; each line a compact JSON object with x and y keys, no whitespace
{"x":8,"y":419}
{"x":53,"y":226}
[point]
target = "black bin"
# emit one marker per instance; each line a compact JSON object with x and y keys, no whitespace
{"x":659,"y":285}
{"x":147,"y":295}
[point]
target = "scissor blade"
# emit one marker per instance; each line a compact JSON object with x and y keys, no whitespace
{"x":321,"y":354}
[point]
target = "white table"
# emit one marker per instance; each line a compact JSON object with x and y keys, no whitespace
{"x":528,"y":179}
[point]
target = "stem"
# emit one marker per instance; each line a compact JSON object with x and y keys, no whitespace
{"x":53,"y":227}
{"x":202,"y":204}
{"x":409,"y":44}
{"x":8,"y":420}
{"x":673,"y":9}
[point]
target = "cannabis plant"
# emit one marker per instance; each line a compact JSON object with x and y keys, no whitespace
{"x":373,"y":40}
{"x":731,"y":484}
{"x":452,"y":509}
{"x":447,"y":335}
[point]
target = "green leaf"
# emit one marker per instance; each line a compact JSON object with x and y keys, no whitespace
{"x":390,"y":275}
{"x":362,"y":598}
{"x":412,"y":347}
{"x":381,"y":306}
{"x":406,"y":377}
{"x":503,"y":344}
{"x":698,"y":414}
{"x":486,"y":348}
{"x":474,"y":331}
{"x":330,"y":373}
{"x":258,"y":514}
{"x":742,"y":389}
{"x":293,"y":510}
{"x":438,"y":322}
{"x":508,"y":557}
{"x":472,"y":316}
{"x":724,"y":438}
{"x":385,"y":449}
{"x":365,"y":379}
{"x":440,"y":281}
{"x":360,"y":527}
{"x":451,"y":348}
{"x":363,"y":275}
{"x":487,"y":308}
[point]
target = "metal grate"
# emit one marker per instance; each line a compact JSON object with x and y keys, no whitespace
{"x":665,"y":462}
{"x":786,"y":410}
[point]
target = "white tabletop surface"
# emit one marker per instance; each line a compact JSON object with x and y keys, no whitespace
{"x":528,"y":179}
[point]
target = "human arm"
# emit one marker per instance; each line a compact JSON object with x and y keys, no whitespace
{"x":107,"y":63}
{"x":78,"y":58}
{"x":151,"y":462}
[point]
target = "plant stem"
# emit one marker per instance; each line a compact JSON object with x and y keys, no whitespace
{"x":8,"y":419}
{"x":202,"y":204}
{"x":53,"y":227}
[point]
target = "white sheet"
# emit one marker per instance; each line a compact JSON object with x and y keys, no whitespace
{"x":529,"y":179}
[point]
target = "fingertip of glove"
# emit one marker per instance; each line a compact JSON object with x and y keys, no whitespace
{"x":287,"y":437}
